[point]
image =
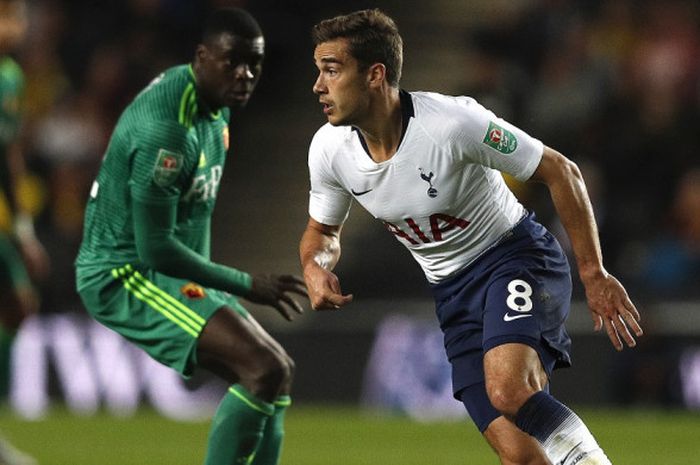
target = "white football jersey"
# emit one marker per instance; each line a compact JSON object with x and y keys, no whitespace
{"x":441,"y":194}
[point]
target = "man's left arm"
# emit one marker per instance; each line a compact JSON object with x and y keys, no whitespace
{"x":608,"y":301}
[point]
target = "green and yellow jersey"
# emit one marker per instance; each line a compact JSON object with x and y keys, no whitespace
{"x":12,"y":270}
{"x":152,"y":202}
{"x":11,"y":89}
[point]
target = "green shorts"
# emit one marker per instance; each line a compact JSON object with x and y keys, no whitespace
{"x":162,"y":315}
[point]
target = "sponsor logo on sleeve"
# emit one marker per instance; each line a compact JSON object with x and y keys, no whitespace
{"x":168,"y":166}
{"x":499,"y":138}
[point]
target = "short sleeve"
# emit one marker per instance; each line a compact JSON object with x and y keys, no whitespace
{"x":329,"y":202}
{"x":163,"y":154}
{"x":493,"y":142}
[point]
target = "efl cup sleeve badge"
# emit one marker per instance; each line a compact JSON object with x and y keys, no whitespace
{"x":168,"y":166}
{"x":192,"y":291}
{"x":501,"y":139}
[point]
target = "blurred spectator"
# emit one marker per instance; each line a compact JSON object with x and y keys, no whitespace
{"x":673,"y":260}
{"x":614,"y":84}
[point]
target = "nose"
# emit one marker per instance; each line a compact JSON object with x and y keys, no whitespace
{"x":319,"y":87}
{"x":242,"y":71}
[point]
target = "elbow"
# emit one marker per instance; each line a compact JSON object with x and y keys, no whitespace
{"x":555,"y":168}
{"x":570,"y":170}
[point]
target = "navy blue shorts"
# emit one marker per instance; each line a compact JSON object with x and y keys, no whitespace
{"x":517,"y":291}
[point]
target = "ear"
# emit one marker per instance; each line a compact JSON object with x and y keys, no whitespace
{"x":376,"y":75}
{"x":201,"y":52}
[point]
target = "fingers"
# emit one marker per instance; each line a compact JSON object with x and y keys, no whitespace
{"x":623,"y":330}
{"x":282,"y":310}
{"x":292,"y":303}
{"x":284,"y":304}
{"x":613,"y":334}
{"x":618,"y":328}
{"x":632,"y":317}
{"x":295,"y":284}
{"x":331,"y":301}
{"x":338,"y":300}
{"x":633,"y":322}
{"x":612,"y":308}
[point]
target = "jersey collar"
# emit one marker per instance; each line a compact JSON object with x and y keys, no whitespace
{"x":407,"y":112}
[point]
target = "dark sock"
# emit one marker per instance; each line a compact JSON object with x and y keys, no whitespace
{"x":563,"y":435}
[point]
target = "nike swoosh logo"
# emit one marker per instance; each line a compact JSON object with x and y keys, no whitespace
{"x":359,"y":193}
{"x":573,"y":449}
{"x":509,"y":317}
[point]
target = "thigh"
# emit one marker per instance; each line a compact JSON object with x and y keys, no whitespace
{"x":235,"y":346}
{"x":527,"y":303}
{"x":515,"y":371}
{"x":162,"y":315}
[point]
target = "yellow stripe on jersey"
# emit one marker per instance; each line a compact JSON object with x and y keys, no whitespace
{"x":186,"y":101}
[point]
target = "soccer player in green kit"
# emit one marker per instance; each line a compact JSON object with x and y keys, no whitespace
{"x":143,"y":268}
{"x":21,"y":254}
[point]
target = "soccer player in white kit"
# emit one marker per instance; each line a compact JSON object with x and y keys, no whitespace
{"x":428,"y":166}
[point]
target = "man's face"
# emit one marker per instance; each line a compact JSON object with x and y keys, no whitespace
{"x":341,"y":84}
{"x":228,"y":69}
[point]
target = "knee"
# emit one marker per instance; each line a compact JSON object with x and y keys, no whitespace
{"x":507,"y":398}
{"x":275,"y":371}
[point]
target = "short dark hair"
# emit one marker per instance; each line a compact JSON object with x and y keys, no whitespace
{"x":373,"y":37}
{"x":235,"y":21}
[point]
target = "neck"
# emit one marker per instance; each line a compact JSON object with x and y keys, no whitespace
{"x":203,"y":98}
{"x":382,"y":129}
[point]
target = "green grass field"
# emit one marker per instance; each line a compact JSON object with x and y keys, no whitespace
{"x":339,"y":436}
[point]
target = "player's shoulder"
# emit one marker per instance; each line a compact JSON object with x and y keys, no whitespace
{"x":439,"y":108}
{"x":329,"y":140}
{"x":169,"y":98}
{"x":449,"y":118}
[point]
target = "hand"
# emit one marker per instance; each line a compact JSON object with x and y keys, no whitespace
{"x":611,"y":307}
{"x":272,"y":290}
{"x":324,"y":289}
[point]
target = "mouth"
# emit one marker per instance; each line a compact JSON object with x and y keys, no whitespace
{"x":238,"y":96}
{"x":327,"y":107}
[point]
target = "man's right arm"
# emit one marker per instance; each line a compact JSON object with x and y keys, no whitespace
{"x":319,"y":252}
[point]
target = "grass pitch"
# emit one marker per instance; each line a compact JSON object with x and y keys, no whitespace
{"x":339,"y":436}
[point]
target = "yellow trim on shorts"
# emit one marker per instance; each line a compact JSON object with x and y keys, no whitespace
{"x":159,"y":300}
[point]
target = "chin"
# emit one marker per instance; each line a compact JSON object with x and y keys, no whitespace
{"x":337,"y":121}
{"x":235,"y":104}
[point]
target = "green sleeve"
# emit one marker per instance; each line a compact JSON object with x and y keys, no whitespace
{"x":164,"y":154}
{"x":159,"y":248}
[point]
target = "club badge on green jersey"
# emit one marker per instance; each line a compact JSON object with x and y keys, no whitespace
{"x":168,"y":166}
{"x":500,"y":139}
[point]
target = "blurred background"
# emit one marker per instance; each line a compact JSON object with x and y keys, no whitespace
{"x":614,"y":85}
